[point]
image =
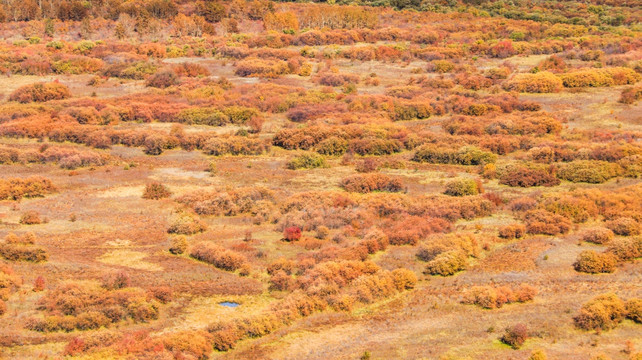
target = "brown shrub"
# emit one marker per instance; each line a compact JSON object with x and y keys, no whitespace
{"x":547,"y":223}
{"x":163,"y":80}
{"x":525,"y":177}
{"x":592,"y":262}
{"x":634,"y":310}
{"x":624,"y":226}
{"x":155,"y":191}
{"x":186,"y":224}
{"x":15,"y":189}
{"x":3,"y":307}
{"x":604,"y":312}
{"x":514,"y":231}
{"x":597,"y":235}
{"x":30,"y":218}
{"x":178,"y":245}
{"x":626,"y":249}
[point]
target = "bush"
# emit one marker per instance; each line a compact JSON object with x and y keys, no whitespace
{"x":634,"y":310}
{"x":217,"y":256}
{"x":600,"y":77}
{"x":597,"y":235}
{"x":20,"y":252}
{"x":514,"y":231}
{"x":463,"y":187}
{"x":15,"y":188}
{"x":30,"y":218}
{"x":592,"y":262}
{"x":155,"y":191}
{"x":365,"y":183}
{"x":447,"y":263}
{"x":194,"y":343}
{"x":178,"y":245}
{"x":3,"y":307}
{"x":515,"y":336}
{"x":627,"y":248}
{"x":624,"y":226}
{"x":631,"y":95}
{"x":603,"y":312}
{"x":547,"y":223}
{"x":467,"y":155}
{"x":541,"y":82}
{"x":186,"y":224}
{"x":292,"y":233}
{"x":306,"y":161}
{"x":40,"y":92}
{"x":593,"y":172}
{"x":490,"y":297}
{"x":525,"y":177}
{"x":163,"y":80}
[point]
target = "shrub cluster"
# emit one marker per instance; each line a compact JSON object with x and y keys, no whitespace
{"x":604,"y":312}
{"x":22,"y":248}
{"x":40,"y":92}
{"x":541,"y":82}
{"x":600,"y":77}
{"x":365,"y":183}
{"x":592,"y":262}
{"x":306,"y":161}
{"x":527,"y":177}
{"x":218,"y":256}
{"x":16,"y":188}
{"x":155,"y":191}
{"x":467,"y":155}
{"x":491,"y":297}
{"x":463,"y":187}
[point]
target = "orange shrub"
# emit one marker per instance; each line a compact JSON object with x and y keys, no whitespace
{"x":526,"y":177}
{"x":217,"y":256}
{"x":624,"y":226}
{"x":547,"y":223}
{"x":597,"y":235}
{"x":40,"y":92}
{"x":155,"y":191}
{"x":514,"y":231}
{"x":365,"y":183}
{"x":15,"y":188}
{"x":600,"y":77}
{"x":604,"y":312}
{"x":626,"y":249}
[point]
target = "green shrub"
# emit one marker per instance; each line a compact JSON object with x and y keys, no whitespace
{"x":306,"y":161}
{"x":447,"y":263}
{"x":593,"y":172}
{"x":463,"y":187}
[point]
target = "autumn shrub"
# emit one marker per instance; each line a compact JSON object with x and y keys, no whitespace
{"x":306,"y":161}
{"x":195,"y":343}
{"x":541,"y":82}
{"x":634,"y":310}
{"x":3,"y":307}
{"x":186,"y":224}
{"x":155,"y":191}
{"x":593,"y":172}
{"x":463,"y":187}
{"x":178,"y":245}
{"x":261,"y":67}
{"x":597,"y":235}
{"x":292,"y":233}
{"x":365,"y":183}
{"x":218,"y":256}
{"x":491,"y":297}
{"x":626,"y":249}
{"x":332,"y":146}
{"x":17,"y":188}
{"x":447,"y":263}
{"x":202,"y":116}
{"x":604,"y":312}
{"x":592,"y":262}
{"x":631,"y":95}
{"x":467,"y":155}
{"x":235,"y":145}
{"x":546,"y":222}
{"x":600,"y":77}
{"x":191,"y":70}
{"x":515,"y":336}
{"x":336,"y":79}
{"x":624,"y":226}
{"x":40,"y":92}
{"x":527,"y":177}
{"x":23,"y":252}
{"x":30,"y":218}
{"x":163,"y":80}
{"x":514,"y":231}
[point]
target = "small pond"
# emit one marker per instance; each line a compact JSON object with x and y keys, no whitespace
{"x":229,"y":304}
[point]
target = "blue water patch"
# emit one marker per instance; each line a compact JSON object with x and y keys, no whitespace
{"x":229,"y":304}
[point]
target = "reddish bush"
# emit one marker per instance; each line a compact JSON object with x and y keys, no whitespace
{"x":163,"y":80}
{"x":525,"y":177}
{"x":514,"y":231}
{"x":597,"y":235}
{"x":30,"y":218}
{"x":292,"y":233}
{"x":515,"y":336}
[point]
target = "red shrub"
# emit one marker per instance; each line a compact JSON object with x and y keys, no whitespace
{"x":292,"y":233}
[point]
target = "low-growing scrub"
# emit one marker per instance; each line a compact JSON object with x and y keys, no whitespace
{"x":40,"y":92}
{"x":365,"y":183}
{"x":218,"y":256}
{"x":604,"y":312}
{"x":592,"y":262}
